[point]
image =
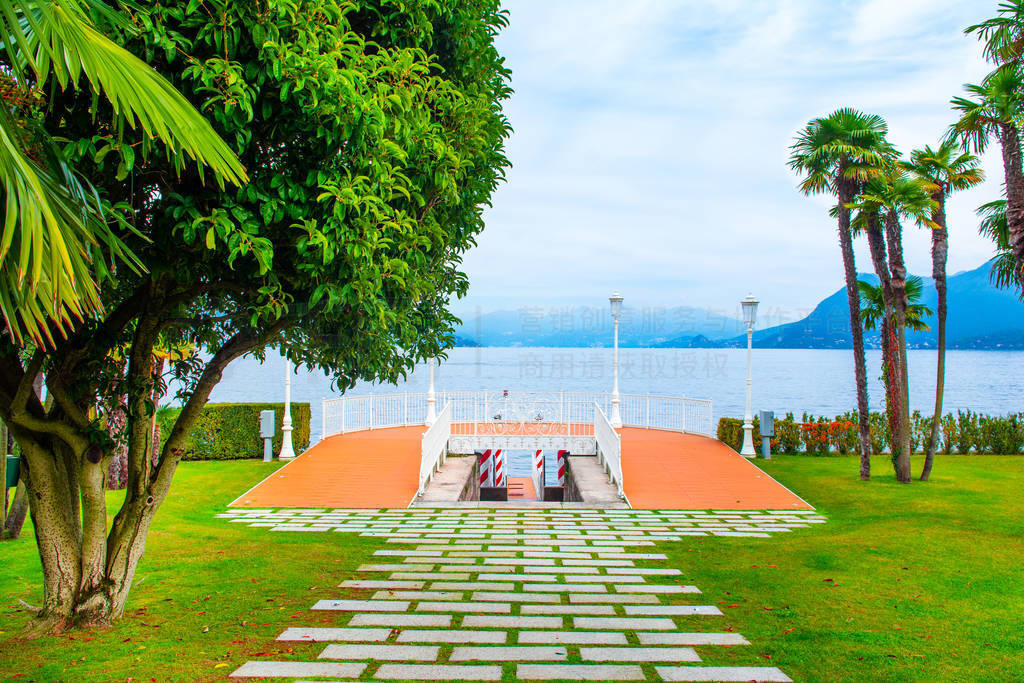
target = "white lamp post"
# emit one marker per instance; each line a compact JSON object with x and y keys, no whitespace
{"x":431,"y":401}
{"x":287,"y":451}
{"x":616,"y":302}
{"x":749,"y":317}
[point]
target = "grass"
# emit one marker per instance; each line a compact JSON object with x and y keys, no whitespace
{"x":918,"y":582}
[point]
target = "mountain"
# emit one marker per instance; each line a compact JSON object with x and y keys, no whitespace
{"x":581,"y":326}
{"x":980,"y":317}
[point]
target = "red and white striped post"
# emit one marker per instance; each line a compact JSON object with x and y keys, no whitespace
{"x":561,"y":467}
{"x":499,"y":468}
{"x":486,"y":468}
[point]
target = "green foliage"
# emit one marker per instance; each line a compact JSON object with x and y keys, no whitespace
{"x":231,"y":431}
{"x":963,"y":433}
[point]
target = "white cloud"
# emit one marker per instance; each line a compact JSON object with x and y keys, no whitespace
{"x":652,"y":136}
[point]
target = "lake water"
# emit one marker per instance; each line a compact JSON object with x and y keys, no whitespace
{"x":784,"y":380}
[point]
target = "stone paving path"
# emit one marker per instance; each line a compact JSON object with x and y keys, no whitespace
{"x":482,"y":594}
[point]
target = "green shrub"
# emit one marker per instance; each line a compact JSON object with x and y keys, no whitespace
{"x":231,"y":431}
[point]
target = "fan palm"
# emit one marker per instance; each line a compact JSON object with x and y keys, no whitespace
{"x":993,"y":112}
{"x":57,"y":243}
{"x":836,"y":155}
{"x":993,"y":225}
{"x":1003,"y":34}
{"x":944,"y":170}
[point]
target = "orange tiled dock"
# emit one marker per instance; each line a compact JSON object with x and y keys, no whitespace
{"x":671,"y":471}
{"x":661,"y":470}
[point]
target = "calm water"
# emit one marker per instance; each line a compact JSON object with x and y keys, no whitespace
{"x":815,"y":381}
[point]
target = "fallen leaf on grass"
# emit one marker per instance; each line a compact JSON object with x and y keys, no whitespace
{"x":219,"y":666}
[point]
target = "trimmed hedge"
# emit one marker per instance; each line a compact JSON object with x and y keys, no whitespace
{"x":963,"y":433}
{"x":231,"y":431}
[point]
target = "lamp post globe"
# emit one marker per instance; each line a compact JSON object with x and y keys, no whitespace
{"x":749,"y":306}
{"x":616,"y":302}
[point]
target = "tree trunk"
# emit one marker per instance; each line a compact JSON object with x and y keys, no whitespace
{"x":940,"y":249}
{"x":890,"y":352}
{"x":846,"y":192}
{"x":16,"y":513}
{"x":1009,"y":138}
{"x":898,"y":271}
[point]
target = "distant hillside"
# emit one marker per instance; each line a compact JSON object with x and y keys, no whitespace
{"x":980,"y":317}
{"x":582,"y":326}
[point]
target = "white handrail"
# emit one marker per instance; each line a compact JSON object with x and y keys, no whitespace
{"x":435,"y":445}
{"x":609,"y":447}
{"x":470,"y":408}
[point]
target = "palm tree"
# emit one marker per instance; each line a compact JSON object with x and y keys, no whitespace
{"x":57,"y":243}
{"x":886,"y":202}
{"x":874,"y":313}
{"x":994,"y":111}
{"x":944,"y":170}
{"x":1003,"y":34}
{"x":837,"y":154}
{"x":993,"y":225}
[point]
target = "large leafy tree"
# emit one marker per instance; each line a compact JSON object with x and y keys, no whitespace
{"x":993,"y":110}
{"x":944,"y":170}
{"x":836,"y":155}
{"x":373,"y":135}
{"x":56,"y":244}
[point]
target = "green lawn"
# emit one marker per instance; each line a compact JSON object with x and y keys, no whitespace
{"x":920,"y":582}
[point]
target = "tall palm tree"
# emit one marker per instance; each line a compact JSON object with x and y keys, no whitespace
{"x":993,"y":225}
{"x":944,"y":170}
{"x":895,"y":197}
{"x":993,"y":111}
{"x":837,"y":154}
{"x":874,"y":314}
{"x":57,"y":243}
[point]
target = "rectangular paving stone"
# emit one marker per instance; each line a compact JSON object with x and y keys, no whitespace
{"x":515,"y":597}
{"x":591,"y":578}
{"x":561,"y":570}
{"x":362,"y":605}
{"x":656,"y":588}
{"x":617,"y":599}
{"x":297,"y":670}
{"x":318,"y":635}
{"x":568,"y":609}
{"x":521,"y":561}
{"x":692,"y":639}
{"x":476,"y":568}
{"x":638,"y":571}
{"x":673,"y":610}
{"x":493,"y":607}
{"x":418,"y":595}
{"x":473,"y":585}
{"x":598,"y":563}
{"x":434,"y":576}
{"x":396,"y":620}
{"x":767,"y":674}
{"x":638,"y":654}
{"x":579,"y":672}
{"x":625,"y":623}
{"x":442,"y":636}
{"x":368,"y":583}
{"x":573,"y":637}
{"x":481,"y":621}
{"x":472,"y":653}
{"x":563,"y":588}
{"x":415,"y":653}
{"x":395,"y":567}
{"x":437,"y":672}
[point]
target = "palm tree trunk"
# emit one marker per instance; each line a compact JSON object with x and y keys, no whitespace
{"x":846,"y":192}
{"x":1009,"y":138}
{"x":940,"y":249}
{"x":898,"y":270}
{"x":890,"y":353}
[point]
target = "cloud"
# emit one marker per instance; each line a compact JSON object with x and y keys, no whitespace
{"x":651,"y":140}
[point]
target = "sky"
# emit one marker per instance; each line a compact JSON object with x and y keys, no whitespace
{"x":651,"y":144}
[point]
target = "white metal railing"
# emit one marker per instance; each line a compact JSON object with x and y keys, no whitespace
{"x":435,"y":445}
{"x":609,"y":447}
{"x":481,"y":413}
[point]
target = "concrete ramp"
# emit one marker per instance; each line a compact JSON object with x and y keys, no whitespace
{"x":672,"y":471}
